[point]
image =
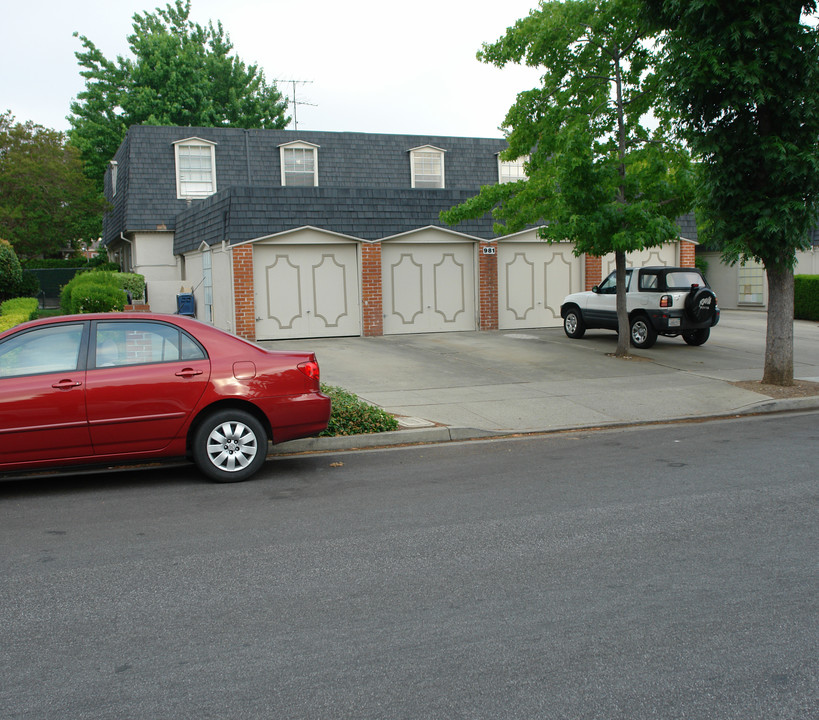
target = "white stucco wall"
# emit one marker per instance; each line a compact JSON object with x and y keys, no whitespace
{"x":152,"y":257}
{"x":221,"y":312}
{"x":725,"y":279}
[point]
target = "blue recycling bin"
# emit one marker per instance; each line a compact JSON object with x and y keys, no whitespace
{"x":186,"y":304}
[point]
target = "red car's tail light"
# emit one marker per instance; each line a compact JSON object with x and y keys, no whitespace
{"x":666,"y":301}
{"x":310,"y":368}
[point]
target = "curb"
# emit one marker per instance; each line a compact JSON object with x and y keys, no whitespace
{"x":442,"y":434}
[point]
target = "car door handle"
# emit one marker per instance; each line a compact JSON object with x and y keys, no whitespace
{"x":188,"y":372}
{"x":66,"y":384}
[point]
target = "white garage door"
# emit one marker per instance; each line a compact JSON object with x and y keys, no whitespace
{"x":533,"y":279}
{"x":665,"y":255}
{"x":306,"y":290}
{"x":428,"y":287}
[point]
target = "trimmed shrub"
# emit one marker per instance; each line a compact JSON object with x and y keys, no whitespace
{"x":11,"y":273}
{"x":806,"y":297}
{"x":16,"y":311}
{"x":29,"y":285}
{"x":133,"y":284}
{"x":352,"y":416}
{"x":93,"y":292}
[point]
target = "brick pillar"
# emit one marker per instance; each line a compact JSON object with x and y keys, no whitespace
{"x":687,"y":253}
{"x":243,"y":292}
{"x":594,"y":271}
{"x":371,"y":291}
{"x":488,"y":291}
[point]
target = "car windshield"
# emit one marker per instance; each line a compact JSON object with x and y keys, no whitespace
{"x":683,"y":279}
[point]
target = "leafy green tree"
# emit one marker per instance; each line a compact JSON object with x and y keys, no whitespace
{"x":744,"y":78}
{"x":181,"y":73}
{"x":46,"y":202}
{"x":595,"y":172}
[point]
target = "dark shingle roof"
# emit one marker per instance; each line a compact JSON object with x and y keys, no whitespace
{"x":243,"y":213}
{"x":146,"y":194}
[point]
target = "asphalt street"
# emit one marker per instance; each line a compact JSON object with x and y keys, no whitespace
{"x":665,"y":572}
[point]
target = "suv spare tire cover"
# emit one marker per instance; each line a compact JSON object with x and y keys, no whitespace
{"x":701,"y":304}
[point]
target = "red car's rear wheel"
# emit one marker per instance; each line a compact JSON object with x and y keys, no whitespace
{"x":229,"y":446}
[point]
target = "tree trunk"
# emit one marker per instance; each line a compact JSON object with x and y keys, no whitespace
{"x":624,"y":335}
{"x":779,"y":340}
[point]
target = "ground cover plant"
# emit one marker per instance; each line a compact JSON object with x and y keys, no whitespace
{"x":353,"y":416}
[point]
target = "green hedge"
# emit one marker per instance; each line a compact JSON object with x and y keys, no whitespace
{"x":806,"y":297}
{"x":93,"y":292}
{"x":16,"y":311}
{"x":352,"y":416}
{"x":134,"y":284}
{"x":96,"y":263}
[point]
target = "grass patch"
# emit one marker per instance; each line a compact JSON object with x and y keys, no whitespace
{"x":49,"y":312}
{"x":352,"y":416}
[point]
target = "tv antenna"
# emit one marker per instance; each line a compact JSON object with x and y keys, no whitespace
{"x":296,"y":102}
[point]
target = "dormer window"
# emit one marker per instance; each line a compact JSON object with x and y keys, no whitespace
{"x":427,"y":167}
{"x":511,"y":170}
{"x":299,"y":164}
{"x":195,"y":168}
{"x":113,"y":166}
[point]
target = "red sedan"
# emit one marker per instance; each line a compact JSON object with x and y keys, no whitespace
{"x":84,"y":389}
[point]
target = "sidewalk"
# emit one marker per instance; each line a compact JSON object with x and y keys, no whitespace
{"x":453,"y":386}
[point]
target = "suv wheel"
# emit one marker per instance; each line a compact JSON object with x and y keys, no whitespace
{"x":697,"y":337}
{"x":643,"y":334}
{"x":573,"y":324}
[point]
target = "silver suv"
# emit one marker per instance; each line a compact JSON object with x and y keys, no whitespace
{"x":667,"y":301}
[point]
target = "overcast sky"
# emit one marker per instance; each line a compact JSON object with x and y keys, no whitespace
{"x":373,"y":66}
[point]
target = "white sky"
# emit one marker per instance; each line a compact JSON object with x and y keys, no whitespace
{"x":374,"y":65}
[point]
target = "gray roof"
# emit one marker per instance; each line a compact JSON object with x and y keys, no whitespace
{"x":364,"y":186}
{"x":688,"y":227}
{"x":249,"y":161}
{"x":242,"y":213}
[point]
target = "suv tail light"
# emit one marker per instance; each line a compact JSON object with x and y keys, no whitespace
{"x":666,"y":301}
{"x":310,"y":368}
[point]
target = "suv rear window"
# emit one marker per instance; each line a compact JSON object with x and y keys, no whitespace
{"x":683,"y":279}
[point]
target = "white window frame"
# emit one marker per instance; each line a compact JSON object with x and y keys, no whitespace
{"x":750,"y":283}
{"x":208,"y":188}
{"x":113,"y":166}
{"x":299,"y":145}
{"x":420,"y":154}
{"x":516,"y":166}
{"x":207,"y":283}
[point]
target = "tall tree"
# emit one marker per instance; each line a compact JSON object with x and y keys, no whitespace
{"x":46,"y":202}
{"x":744,"y":78}
{"x":595,"y":173}
{"x":181,"y":73}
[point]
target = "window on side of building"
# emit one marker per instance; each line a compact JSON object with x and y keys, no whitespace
{"x":427,"y":167}
{"x":750,"y":284}
{"x":511,"y":170}
{"x":299,"y":162}
{"x":195,"y":168}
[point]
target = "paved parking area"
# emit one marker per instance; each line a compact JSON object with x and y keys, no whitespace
{"x":531,"y":380}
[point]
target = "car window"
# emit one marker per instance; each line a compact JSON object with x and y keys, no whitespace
{"x":683,"y":279}
{"x":649,"y":281}
{"x":138,"y":343}
{"x":609,"y":285}
{"x":42,"y":350}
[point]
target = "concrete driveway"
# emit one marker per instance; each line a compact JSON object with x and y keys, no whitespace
{"x":540,"y":380}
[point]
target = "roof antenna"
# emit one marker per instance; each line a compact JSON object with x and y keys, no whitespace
{"x":296,"y":103}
